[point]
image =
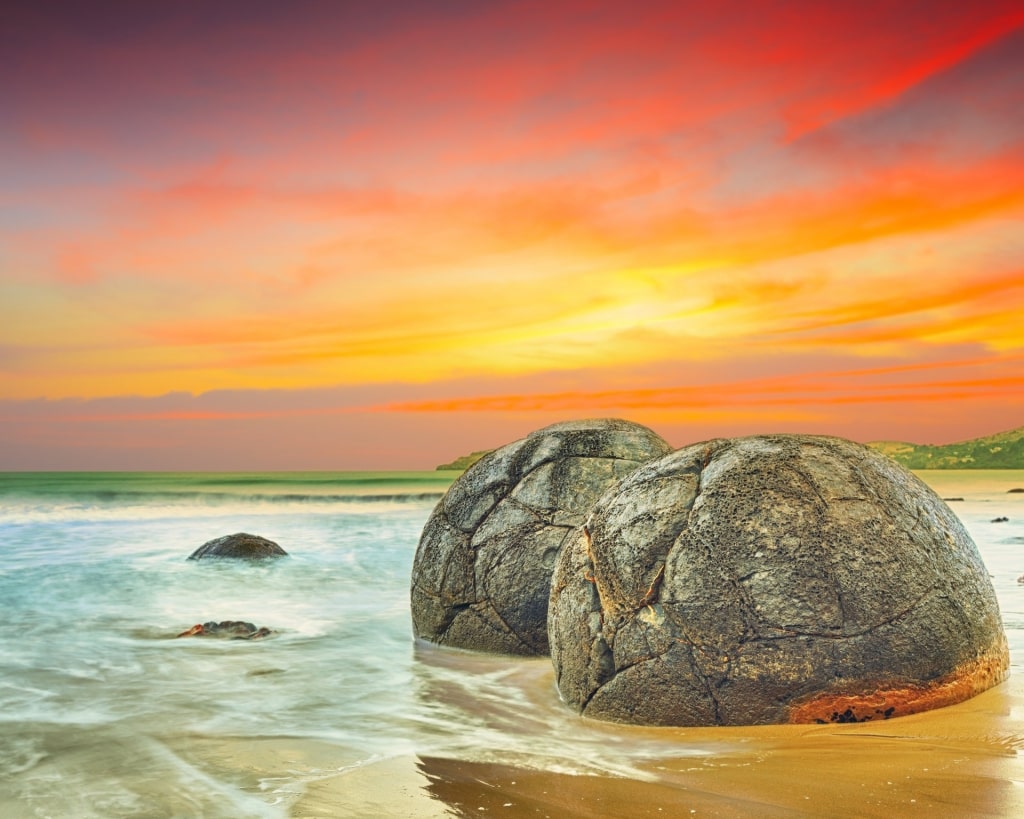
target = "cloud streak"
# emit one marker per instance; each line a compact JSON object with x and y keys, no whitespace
{"x":566,"y":202}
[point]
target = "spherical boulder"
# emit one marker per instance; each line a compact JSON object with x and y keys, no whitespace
{"x":771,"y":579}
{"x":240,"y":546}
{"x":482,"y":572}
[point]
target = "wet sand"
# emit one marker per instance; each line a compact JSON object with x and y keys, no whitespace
{"x":963,"y":760}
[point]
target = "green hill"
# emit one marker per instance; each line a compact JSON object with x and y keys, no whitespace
{"x":463,"y":461}
{"x":1004,"y":450}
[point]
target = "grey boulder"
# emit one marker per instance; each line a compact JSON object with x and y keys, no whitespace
{"x":482,"y":572}
{"x":240,"y":546}
{"x":772,"y":579}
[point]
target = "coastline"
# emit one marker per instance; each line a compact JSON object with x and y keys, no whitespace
{"x":954,"y":761}
{"x":344,"y":714}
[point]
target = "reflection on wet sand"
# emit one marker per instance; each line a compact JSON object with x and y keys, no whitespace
{"x":475,"y":789}
{"x":957,"y":761}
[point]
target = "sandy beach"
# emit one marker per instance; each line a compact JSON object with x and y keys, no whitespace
{"x":957,"y":761}
{"x":343,"y":714}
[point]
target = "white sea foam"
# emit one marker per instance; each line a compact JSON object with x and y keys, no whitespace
{"x":96,"y":693}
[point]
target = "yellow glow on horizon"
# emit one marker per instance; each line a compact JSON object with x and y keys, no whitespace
{"x":864,"y":299}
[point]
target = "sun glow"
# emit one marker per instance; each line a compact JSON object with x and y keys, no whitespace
{"x":512,"y":215}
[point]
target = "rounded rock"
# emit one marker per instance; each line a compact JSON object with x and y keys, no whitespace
{"x":482,"y":573}
{"x":772,"y":579}
{"x":239,"y":546}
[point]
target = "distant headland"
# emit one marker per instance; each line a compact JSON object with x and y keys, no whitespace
{"x":464,"y":461}
{"x":1004,"y":450}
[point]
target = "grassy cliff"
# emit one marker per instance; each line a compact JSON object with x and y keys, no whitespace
{"x":1004,"y":450}
{"x":463,"y":462}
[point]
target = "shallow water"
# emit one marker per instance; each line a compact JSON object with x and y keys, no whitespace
{"x":104,"y":713}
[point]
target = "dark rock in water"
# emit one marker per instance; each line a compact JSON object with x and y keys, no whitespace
{"x":772,"y":579}
{"x":231,"y":629}
{"x":483,"y":567}
{"x":1015,"y":490}
{"x":1020,"y":579}
{"x":239,"y":546}
{"x":950,"y":500}
{"x":1000,"y":520}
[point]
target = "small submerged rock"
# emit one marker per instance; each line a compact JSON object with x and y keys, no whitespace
{"x":1000,"y":520}
{"x":1016,"y":490}
{"x":229,"y":629}
{"x":239,"y":546}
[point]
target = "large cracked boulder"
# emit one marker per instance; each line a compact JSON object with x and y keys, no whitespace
{"x":239,"y":546}
{"x":772,"y":579}
{"x":482,"y":573}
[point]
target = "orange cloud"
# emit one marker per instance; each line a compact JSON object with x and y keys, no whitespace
{"x":881,"y":83}
{"x":522,"y":192}
{"x":809,"y":391}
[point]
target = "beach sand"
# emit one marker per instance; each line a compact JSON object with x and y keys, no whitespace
{"x":963,"y":760}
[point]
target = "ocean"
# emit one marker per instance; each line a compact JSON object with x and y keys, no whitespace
{"x":105,"y":713}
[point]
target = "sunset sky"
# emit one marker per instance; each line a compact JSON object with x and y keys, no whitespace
{"x":325,"y":235}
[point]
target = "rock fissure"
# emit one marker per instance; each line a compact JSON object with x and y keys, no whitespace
{"x":706,"y":460}
{"x":796,"y":565}
{"x":706,"y":682}
{"x":525,"y":472}
{"x":485,"y":603}
{"x":449,"y":558}
{"x":790,"y":632}
{"x":451,"y":613}
{"x":517,"y":507}
{"x":813,"y":486}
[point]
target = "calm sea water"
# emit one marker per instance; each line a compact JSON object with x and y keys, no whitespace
{"x":104,"y":713}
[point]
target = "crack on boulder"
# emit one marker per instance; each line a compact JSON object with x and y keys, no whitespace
{"x":449,"y":557}
{"x":840,"y":599}
{"x":707,"y":455}
{"x":651,"y":595}
{"x":916,"y":523}
{"x":452,"y":611}
{"x":481,"y":608}
{"x":874,"y":498}
{"x":704,"y":679}
{"x":813,"y":486}
{"x":789,"y":632}
{"x":869,"y":566}
{"x":604,"y":667}
{"x":592,"y":577}
{"x":511,"y":501}
{"x":508,"y":628}
{"x":828,"y":565}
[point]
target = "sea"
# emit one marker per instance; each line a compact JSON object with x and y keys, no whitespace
{"x":105,"y":712}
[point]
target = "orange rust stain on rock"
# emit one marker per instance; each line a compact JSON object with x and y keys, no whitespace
{"x":884,"y":701}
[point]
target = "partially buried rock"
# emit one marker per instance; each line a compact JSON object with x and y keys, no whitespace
{"x":230,"y":629}
{"x":240,"y":546}
{"x":482,"y":572}
{"x":772,"y":579}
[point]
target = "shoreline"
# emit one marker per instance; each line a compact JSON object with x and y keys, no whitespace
{"x":959,"y":760}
